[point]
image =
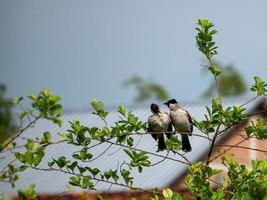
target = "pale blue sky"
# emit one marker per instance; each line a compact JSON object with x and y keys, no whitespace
{"x":85,"y":48}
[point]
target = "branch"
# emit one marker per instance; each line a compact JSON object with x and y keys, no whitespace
{"x":101,"y":154}
{"x":216,"y":81}
{"x":212,"y":144}
{"x":211,"y":160}
{"x":19,"y":133}
{"x":93,"y":178}
{"x":242,"y":147}
{"x":248,"y":101}
{"x":148,"y":152}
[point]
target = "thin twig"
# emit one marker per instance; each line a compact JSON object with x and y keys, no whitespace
{"x":213,"y":143}
{"x":248,"y":101}
{"x":148,"y":152}
{"x":151,"y":165}
{"x":242,"y":147}
{"x":93,"y":178}
{"x":106,"y":196}
{"x":19,"y":133}
{"x":100,"y":154}
{"x":225,"y":151}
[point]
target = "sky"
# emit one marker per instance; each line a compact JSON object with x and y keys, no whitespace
{"x":82,"y":49}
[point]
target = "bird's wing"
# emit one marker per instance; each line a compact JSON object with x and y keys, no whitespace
{"x":190,"y":120}
{"x":169,"y":130}
{"x":169,"y":126}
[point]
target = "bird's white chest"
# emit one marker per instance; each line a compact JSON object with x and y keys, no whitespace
{"x":180,"y":120}
{"x":159,"y":122}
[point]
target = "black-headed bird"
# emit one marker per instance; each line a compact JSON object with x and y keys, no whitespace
{"x":182,"y":122}
{"x":159,"y":123}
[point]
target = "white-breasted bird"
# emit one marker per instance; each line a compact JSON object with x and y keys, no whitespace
{"x":159,"y":123}
{"x":182,"y":122}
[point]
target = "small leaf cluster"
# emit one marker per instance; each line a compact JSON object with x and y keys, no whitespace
{"x":77,"y":134}
{"x":126,"y":176}
{"x":99,"y":108}
{"x":33,"y":155}
{"x":84,"y":175}
{"x":197,"y":181}
{"x":111,"y":174}
{"x":257,"y":129}
{"x":168,"y":194}
{"x":173,"y":143}
{"x":83,"y":155}
{"x":260,"y":86}
{"x":204,"y":38}
{"x":47,"y":105}
{"x":28,"y":194}
{"x":84,"y":182}
{"x":129,"y":123}
{"x":217,"y":115}
{"x":46,"y":139}
{"x":138,"y":160}
{"x":243,"y":183}
{"x":10,"y":174}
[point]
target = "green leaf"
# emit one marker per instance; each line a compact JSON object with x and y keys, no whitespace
{"x":128,"y":153}
{"x":28,"y":194}
{"x":29,"y":158}
{"x":259,"y":87}
{"x":130,"y":141}
{"x":73,"y":165}
{"x":75,"y":181}
{"x":37,"y":159}
{"x":50,"y":164}
{"x":23,"y":168}
{"x":215,"y":70}
{"x":121,"y":110}
{"x":86,"y":182}
{"x":30,"y":145}
{"x":46,"y":137}
{"x":17,"y":100}
{"x":93,"y":171}
{"x":20,"y":157}
{"x":61,"y":161}
{"x":167,"y":193}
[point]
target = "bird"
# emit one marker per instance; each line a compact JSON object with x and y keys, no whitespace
{"x":159,"y":122}
{"x":182,"y":122}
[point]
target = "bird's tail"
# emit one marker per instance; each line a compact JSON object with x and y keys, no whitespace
{"x":161,"y":143}
{"x":186,"y":147}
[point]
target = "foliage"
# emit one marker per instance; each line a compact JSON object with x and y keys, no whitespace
{"x":243,"y":183}
{"x":230,"y":81}
{"x":27,"y":194}
{"x":146,"y":89}
{"x":204,"y":40}
{"x":7,"y":127}
{"x":197,"y":181}
{"x":239,"y":183}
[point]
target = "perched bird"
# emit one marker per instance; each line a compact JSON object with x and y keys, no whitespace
{"x":182,"y":122}
{"x":159,"y":122}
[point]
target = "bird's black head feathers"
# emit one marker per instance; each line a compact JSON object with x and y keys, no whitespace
{"x":154,"y":108}
{"x":172,"y":101}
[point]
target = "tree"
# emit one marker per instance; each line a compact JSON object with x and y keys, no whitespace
{"x":6,"y":121}
{"x":231,"y":82}
{"x":146,"y":89}
{"x":240,"y":183}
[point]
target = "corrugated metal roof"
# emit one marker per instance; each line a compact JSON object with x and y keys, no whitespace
{"x":160,"y":175}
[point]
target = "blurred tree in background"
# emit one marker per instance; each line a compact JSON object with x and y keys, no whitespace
{"x":231,"y":82}
{"x":6,"y":119}
{"x":146,"y":89}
